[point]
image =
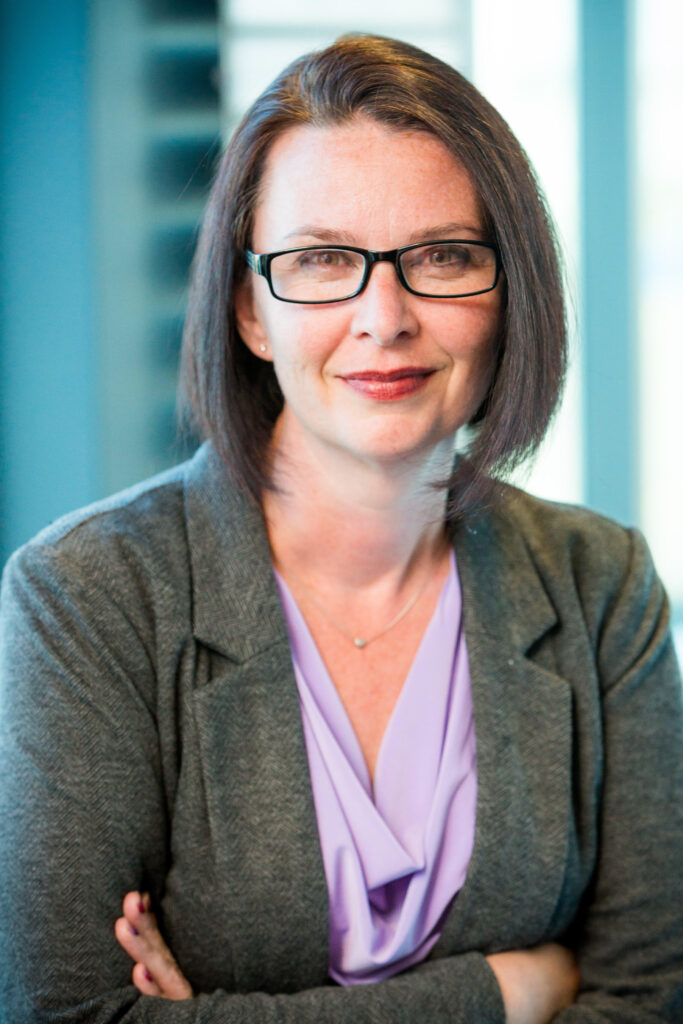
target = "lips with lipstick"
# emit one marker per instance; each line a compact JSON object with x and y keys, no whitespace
{"x":389,"y":386}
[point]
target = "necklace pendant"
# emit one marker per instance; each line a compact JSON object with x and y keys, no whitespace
{"x":359,"y":642}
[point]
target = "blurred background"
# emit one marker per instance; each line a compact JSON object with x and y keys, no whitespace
{"x":113,"y":113}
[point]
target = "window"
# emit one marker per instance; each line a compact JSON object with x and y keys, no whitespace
{"x":257,"y":40}
{"x":659,"y":98}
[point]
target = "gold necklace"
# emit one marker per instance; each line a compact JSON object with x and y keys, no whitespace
{"x":359,"y":641}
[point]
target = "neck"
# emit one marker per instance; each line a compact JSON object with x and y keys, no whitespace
{"x":359,"y":523}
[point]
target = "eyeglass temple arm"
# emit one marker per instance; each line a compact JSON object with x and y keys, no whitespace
{"x":254,"y":261}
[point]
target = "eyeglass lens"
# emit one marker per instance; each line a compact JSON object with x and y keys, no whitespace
{"x":324,"y":274}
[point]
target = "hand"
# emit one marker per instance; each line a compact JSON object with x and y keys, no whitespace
{"x":155,"y":973}
{"x":536,"y":983}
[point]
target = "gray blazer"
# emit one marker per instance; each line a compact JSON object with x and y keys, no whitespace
{"x":150,"y":736}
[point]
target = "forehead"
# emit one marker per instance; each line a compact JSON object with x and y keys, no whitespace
{"x":362,"y":179}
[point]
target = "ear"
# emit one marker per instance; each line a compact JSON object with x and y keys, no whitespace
{"x":249,"y":324}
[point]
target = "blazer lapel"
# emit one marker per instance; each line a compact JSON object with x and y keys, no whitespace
{"x":523,"y":726}
{"x":252,"y":747}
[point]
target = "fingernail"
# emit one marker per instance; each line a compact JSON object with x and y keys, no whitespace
{"x":148,"y":975}
{"x":133,"y":930}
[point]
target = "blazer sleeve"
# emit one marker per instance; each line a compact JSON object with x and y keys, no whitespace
{"x":629,"y":935}
{"x":85,"y":818}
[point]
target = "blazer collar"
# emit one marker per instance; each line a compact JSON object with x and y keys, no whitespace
{"x":236,"y":607}
{"x":504,"y":598}
{"x":503,"y":595}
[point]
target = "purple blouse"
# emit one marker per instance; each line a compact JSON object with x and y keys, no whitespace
{"x":395,"y":853}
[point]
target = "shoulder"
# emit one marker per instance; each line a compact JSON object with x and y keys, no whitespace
{"x":518,"y":532}
{"x":135,"y":514}
{"x":135,"y":534}
{"x":595,"y":572}
{"x":148,"y":558}
{"x":107,"y":585}
{"x":106,"y":592}
{"x":598,"y":554}
{"x":563,"y":537}
{"x":125,"y":562}
{"x":154,"y":523}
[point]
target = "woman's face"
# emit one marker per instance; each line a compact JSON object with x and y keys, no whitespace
{"x":365,"y":185}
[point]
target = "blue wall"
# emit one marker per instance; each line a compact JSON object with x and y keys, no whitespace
{"x":48,"y":382}
{"x":607,"y":287}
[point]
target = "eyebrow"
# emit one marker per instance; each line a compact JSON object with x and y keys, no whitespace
{"x":331,"y":236}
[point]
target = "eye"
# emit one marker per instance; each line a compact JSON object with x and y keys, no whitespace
{"x":322,"y":258}
{"x":447,"y":255}
{"x":441,"y":257}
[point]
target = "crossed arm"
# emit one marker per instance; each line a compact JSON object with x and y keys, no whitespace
{"x":535,"y":984}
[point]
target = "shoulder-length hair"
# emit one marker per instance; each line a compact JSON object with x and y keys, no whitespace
{"x":234,"y":398}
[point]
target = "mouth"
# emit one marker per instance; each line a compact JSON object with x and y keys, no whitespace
{"x":388,"y":386}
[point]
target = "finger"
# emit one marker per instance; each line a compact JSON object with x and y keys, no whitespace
{"x":138,"y":933}
{"x":137,"y":909}
{"x":144,"y":982}
{"x":143,"y":927}
{"x":126,"y":936}
{"x":156,"y":972}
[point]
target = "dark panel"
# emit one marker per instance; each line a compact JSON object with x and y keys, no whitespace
{"x":195,"y":10}
{"x":183,"y":80}
{"x":181,"y":167}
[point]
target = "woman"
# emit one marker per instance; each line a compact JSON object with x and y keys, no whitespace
{"x":374,"y":739}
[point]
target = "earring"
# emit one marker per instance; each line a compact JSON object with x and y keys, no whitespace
{"x":263,"y":348}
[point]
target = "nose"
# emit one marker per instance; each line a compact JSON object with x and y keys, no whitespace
{"x":383,"y":311}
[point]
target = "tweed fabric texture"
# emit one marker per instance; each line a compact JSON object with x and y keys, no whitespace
{"x":150,"y":737}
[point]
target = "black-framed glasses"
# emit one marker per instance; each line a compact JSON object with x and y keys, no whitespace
{"x":452,"y":268}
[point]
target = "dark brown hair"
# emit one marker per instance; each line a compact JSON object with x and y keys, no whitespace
{"x":234,"y":398}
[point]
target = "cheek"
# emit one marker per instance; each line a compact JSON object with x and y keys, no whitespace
{"x":301,"y":340}
{"x":473,"y":339}
{"x":473,"y":349}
